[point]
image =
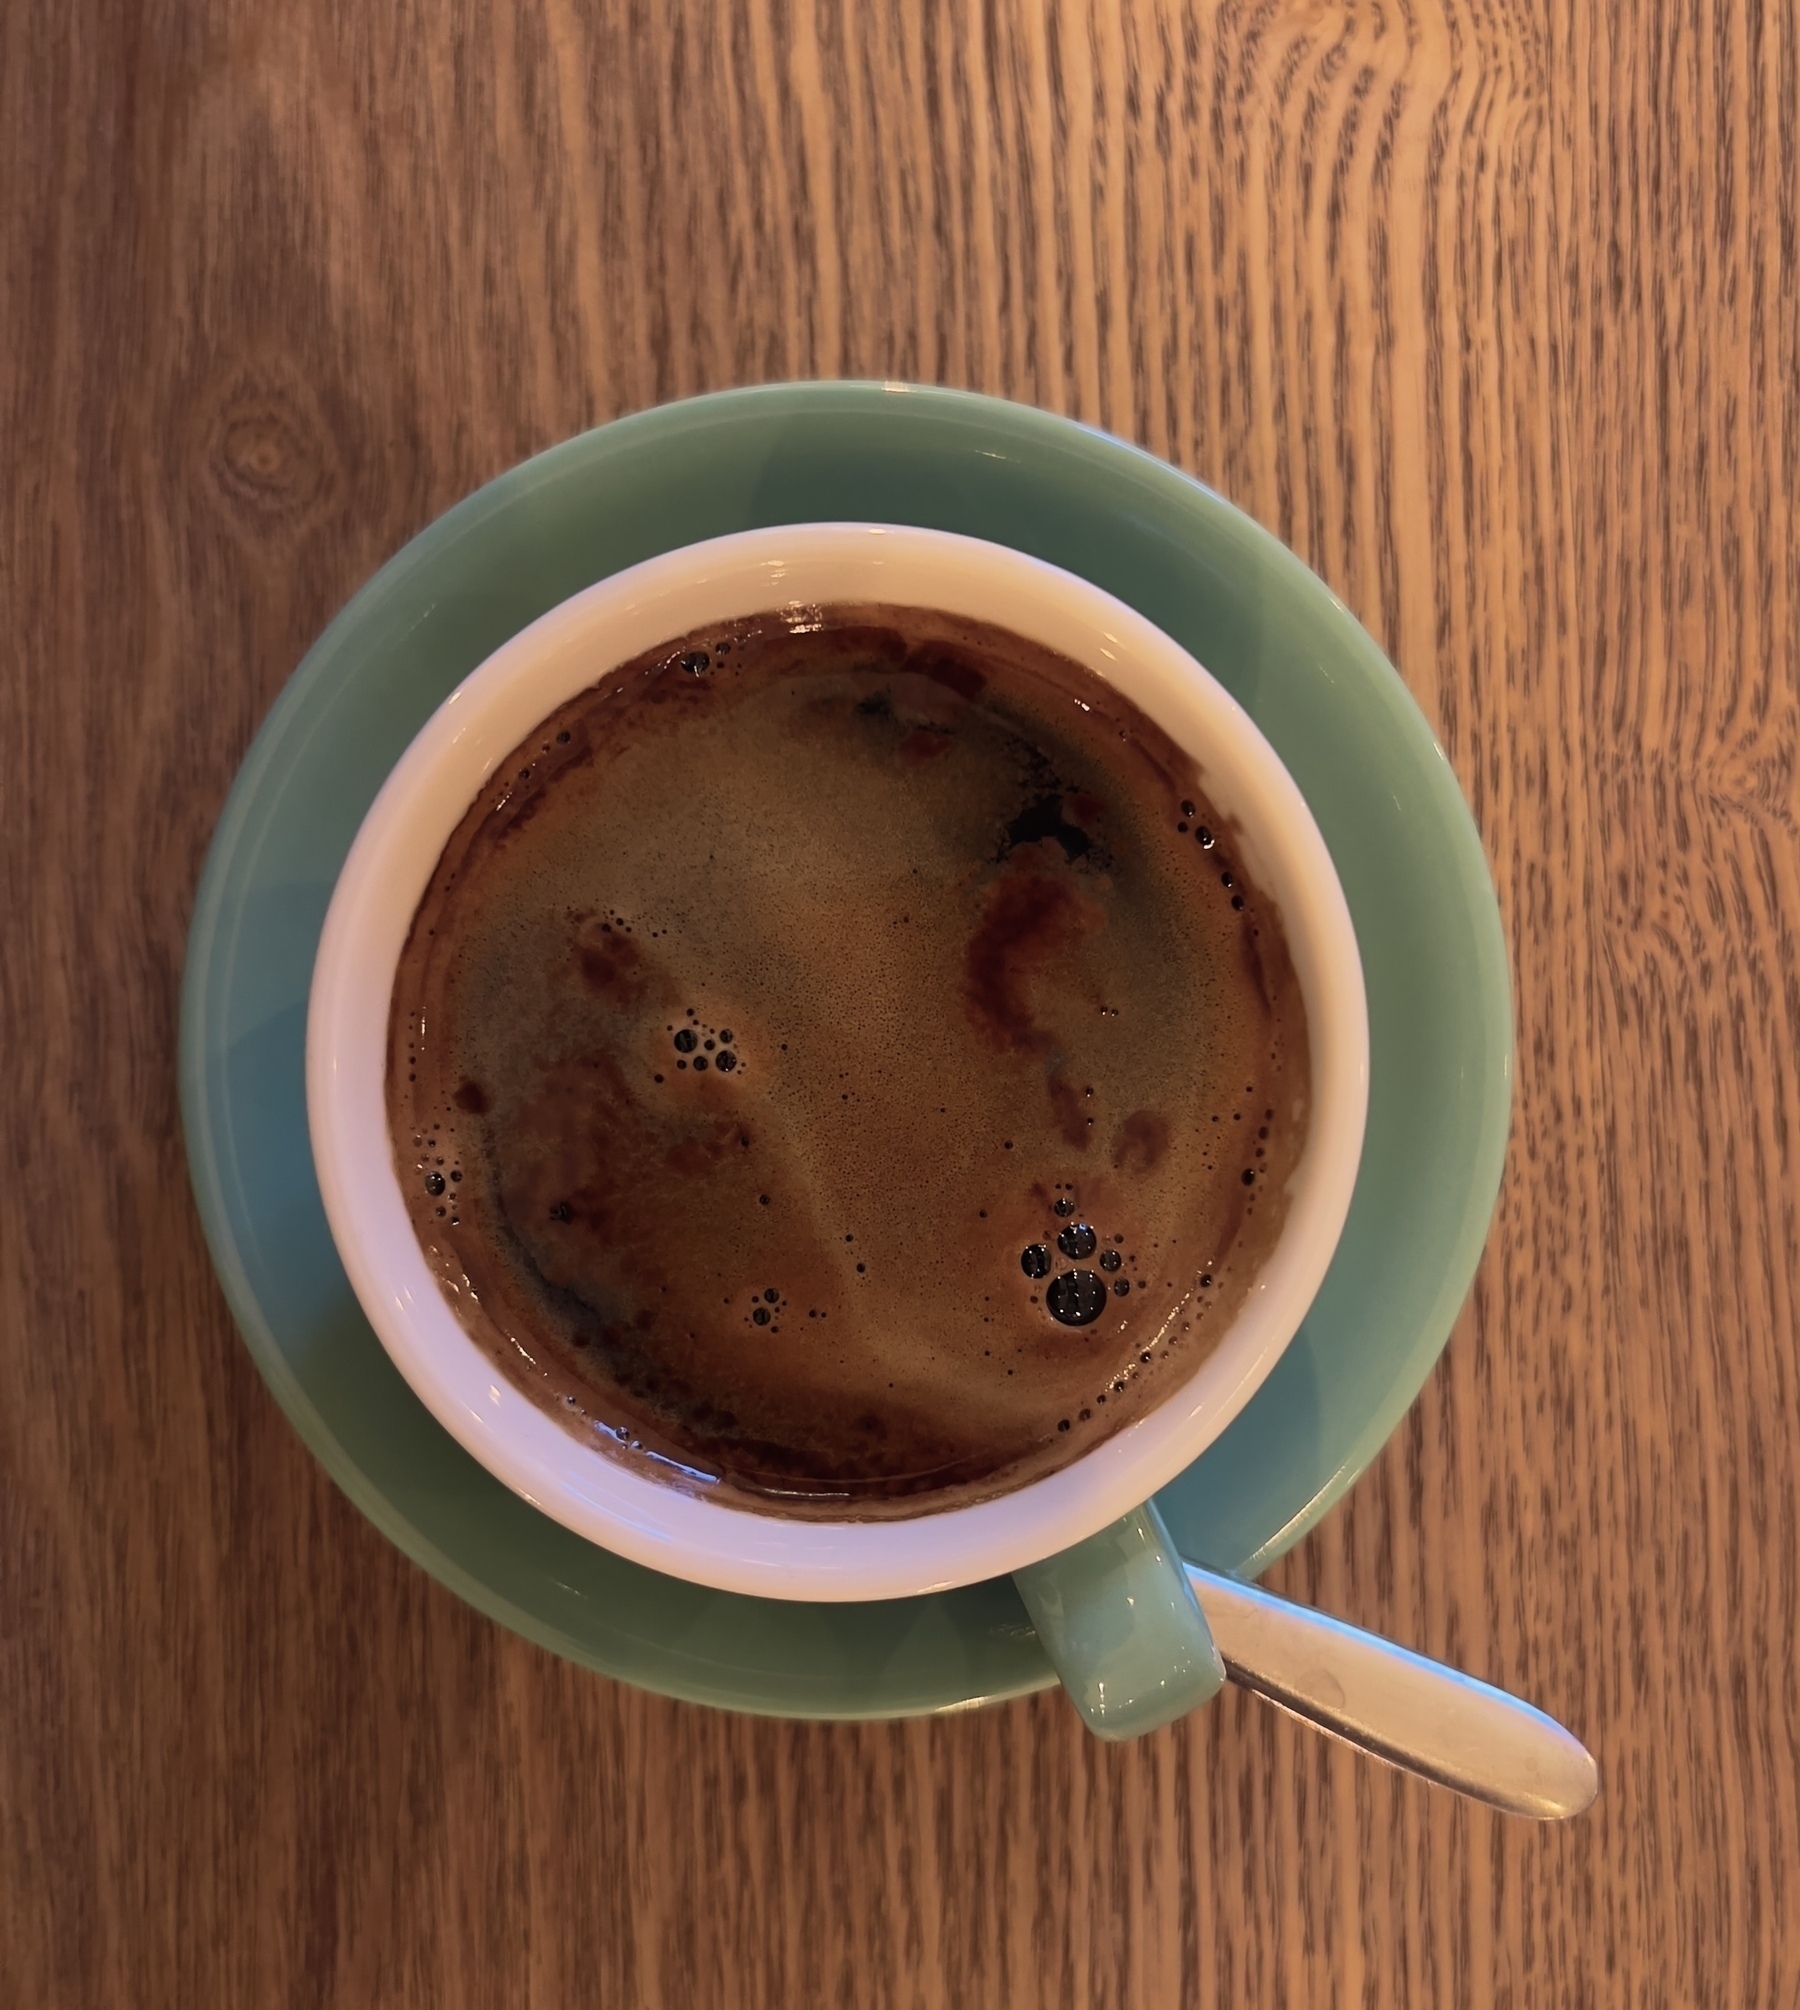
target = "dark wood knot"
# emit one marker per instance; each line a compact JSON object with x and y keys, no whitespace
{"x":272,"y":461}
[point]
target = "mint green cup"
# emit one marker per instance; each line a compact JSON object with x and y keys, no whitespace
{"x":1093,"y":1565}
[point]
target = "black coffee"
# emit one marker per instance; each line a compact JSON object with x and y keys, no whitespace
{"x":842,"y":1057}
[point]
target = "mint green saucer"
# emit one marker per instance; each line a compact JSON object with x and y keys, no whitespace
{"x":1405,"y":847}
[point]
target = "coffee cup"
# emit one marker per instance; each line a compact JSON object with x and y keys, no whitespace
{"x":1093,"y":1563}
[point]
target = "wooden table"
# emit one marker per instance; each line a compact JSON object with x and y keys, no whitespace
{"x":1490,"y":311}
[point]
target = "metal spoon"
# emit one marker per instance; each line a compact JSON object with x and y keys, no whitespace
{"x":1415,"y":1714}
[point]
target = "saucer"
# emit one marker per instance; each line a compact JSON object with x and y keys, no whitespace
{"x":1406,"y":851}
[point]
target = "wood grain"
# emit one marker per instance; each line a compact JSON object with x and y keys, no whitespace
{"x":1491,"y":311}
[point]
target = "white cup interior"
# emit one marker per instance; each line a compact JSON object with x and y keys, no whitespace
{"x":674,"y":1527}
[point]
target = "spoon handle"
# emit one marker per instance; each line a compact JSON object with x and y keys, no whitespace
{"x":1414,"y":1713}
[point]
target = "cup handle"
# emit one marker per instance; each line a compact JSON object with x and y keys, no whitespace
{"x":1122,"y":1627}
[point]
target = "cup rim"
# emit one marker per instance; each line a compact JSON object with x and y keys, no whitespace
{"x":666,"y":1526}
